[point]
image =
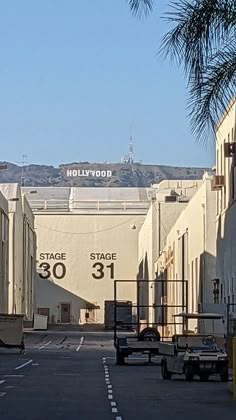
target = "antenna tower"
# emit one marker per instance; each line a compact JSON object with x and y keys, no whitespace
{"x":129,"y":158}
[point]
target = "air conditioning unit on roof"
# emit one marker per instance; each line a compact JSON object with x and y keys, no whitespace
{"x":217,"y":182}
{"x":171,"y":198}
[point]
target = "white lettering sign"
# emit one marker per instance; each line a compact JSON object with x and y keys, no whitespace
{"x":88,"y":173}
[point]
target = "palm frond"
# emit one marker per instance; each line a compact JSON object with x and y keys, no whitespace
{"x":218,"y":86}
{"x":201,"y":27}
{"x":140,"y":7}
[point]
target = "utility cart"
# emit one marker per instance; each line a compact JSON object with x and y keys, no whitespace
{"x":146,"y":334}
{"x":191,"y":353}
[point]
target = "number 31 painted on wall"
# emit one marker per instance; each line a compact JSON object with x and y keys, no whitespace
{"x":99,"y":270}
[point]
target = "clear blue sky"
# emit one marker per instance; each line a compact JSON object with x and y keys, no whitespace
{"x":78,"y":77}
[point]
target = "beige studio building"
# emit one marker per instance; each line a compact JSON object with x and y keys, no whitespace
{"x":224,"y":184}
{"x":4,"y":254}
{"x":86,"y":238}
{"x":19,"y":244}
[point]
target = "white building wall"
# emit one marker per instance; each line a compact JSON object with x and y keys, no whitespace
{"x":78,"y":258}
{"x":152,"y":238}
{"x":196,"y":227}
{"x":226,"y":211}
{"x":21,"y":248}
{"x":4,"y":257}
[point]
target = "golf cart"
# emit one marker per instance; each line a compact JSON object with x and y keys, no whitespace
{"x":193,"y":353}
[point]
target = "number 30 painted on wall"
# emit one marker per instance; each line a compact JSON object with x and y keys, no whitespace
{"x":58,"y":270}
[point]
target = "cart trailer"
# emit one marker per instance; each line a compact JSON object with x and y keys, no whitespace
{"x":11,"y":331}
{"x":146,"y":340}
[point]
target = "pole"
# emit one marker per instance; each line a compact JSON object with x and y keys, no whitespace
{"x":234,"y":368}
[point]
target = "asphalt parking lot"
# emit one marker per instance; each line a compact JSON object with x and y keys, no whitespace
{"x":69,"y":374}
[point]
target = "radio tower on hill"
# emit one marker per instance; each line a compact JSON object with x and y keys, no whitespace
{"x":129,"y":158}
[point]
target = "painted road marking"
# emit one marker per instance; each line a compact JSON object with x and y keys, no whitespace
{"x":119,"y":418}
{"x":9,"y":386}
{"x":109,"y":391}
{"x":35,"y":364}
{"x":110,"y":397}
{"x":109,"y":386}
{"x":80,"y":344}
{"x":114,"y":410}
{"x":2,"y":394}
{"x":2,"y":382}
{"x":14,"y":376}
{"x":45,"y":345}
{"x":24,"y":364}
{"x":113,"y":403}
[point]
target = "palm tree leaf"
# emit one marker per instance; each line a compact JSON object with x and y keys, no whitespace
{"x":201,"y":26}
{"x":140,"y":7}
{"x":211,"y":100}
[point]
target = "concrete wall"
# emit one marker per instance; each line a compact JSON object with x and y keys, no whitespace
{"x":22,"y":247}
{"x":226,"y":213}
{"x":4,"y":257}
{"x":153,"y":234}
{"x":190,"y":252}
{"x":78,"y":258}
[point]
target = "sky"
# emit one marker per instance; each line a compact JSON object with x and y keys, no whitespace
{"x":78,"y":78}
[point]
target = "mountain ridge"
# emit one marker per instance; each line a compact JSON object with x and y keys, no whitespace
{"x":86,"y":174}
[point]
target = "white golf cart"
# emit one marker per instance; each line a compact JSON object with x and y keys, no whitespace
{"x":193,"y":353}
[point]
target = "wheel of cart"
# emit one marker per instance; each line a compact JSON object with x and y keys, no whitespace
{"x":149,"y":334}
{"x":120,"y":358}
{"x":165,"y":373}
{"x":189,"y":372}
{"x":224,"y":374}
{"x":203,"y":377}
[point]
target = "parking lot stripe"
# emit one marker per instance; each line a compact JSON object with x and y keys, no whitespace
{"x":45,"y":345}
{"x":80,"y":344}
{"x":24,"y":364}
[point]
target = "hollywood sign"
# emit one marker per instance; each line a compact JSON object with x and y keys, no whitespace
{"x":71,"y":173}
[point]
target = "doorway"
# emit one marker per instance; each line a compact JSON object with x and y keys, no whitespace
{"x":65,"y":313}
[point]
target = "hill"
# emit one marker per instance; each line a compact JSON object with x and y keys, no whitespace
{"x":85,"y":174}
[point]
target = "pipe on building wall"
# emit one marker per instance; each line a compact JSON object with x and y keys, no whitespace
{"x":13,"y":265}
{"x":203,"y":277}
{"x":159,"y":229}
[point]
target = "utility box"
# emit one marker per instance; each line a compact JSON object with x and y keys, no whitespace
{"x":11,"y":331}
{"x":40,"y":322}
{"x":123,"y":314}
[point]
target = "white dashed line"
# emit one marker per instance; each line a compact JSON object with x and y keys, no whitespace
{"x":2,"y":382}
{"x":110,"y":396}
{"x":2,"y":394}
{"x":24,"y":364}
{"x":45,"y":345}
{"x":80,"y":344}
{"x":13,"y":376}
